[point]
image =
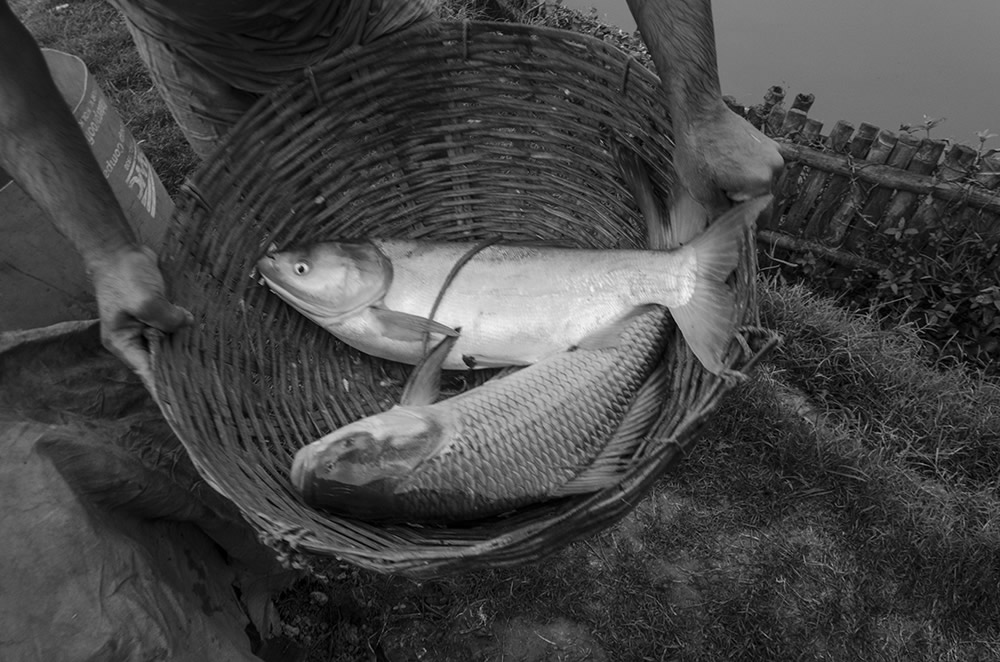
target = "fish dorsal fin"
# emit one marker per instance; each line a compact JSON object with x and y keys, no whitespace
{"x":609,"y":467}
{"x":640,"y":184}
{"x":688,"y":218}
{"x":406,"y":327}
{"x":424,"y":385}
{"x":608,"y":337}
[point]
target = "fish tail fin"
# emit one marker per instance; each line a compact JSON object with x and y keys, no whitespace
{"x":636,"y":175}
{"x":709,"y":318}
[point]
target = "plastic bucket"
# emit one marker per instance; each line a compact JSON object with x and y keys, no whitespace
{"x":42,"y":278}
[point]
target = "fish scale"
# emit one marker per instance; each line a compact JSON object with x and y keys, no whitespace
{"x":519,"y":439}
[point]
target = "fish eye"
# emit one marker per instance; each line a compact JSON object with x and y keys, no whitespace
{"x":301,"y":267}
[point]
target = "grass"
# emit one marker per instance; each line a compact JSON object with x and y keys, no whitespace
{"x":843,"y":505}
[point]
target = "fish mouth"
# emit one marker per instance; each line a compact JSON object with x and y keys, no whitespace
{"x":307,"y":302}
{"x":267,"y":259}
{"x":257,"y":271}
{"x":267,"y":265}
{"x":303,"y":472}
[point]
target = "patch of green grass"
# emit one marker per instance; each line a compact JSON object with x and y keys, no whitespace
{"x":926,"y":550}
{"x":944,"y":423}
{"x":904,"y":455}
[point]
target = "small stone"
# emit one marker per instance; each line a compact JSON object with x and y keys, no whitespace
{"x":351,"y":635}
{"x":319,"y":597}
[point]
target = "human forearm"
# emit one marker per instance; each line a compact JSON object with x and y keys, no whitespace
{"x":681,"y":40}
{"x":42,"y":147}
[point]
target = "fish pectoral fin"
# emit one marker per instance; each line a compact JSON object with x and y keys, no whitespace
{"x":484,"y":361}
{"x":609,"y":337}
{"x":404,"y":326}
{"x":424,"y":385}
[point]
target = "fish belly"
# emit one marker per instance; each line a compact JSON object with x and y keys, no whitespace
{"x":520,"y":438}
{"x":516,"y":305}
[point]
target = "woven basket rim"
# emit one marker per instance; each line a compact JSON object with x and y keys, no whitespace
{"x":247,"y":158}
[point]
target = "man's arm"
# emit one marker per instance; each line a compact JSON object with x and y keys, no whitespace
{"x":41,"y":146}
{"x":43,"y":149}
{"x":719,"y":157}
{"x":680,"y":36}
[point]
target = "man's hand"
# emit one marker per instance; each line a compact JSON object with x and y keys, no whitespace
{"x":131,"y":298}
{"x":721,"y":159}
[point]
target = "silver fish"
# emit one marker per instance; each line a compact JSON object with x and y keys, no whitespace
{"x":515,"y":304}
{"x":545,"y":431}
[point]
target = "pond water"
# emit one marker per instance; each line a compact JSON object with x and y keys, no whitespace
{"x":885,"y":61}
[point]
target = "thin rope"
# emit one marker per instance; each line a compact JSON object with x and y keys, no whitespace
{"x":461,"y":262}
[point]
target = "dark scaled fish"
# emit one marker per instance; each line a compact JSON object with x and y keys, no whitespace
{"x":543,"y":432}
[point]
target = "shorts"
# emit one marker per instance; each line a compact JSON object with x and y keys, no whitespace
{"x":212,"y":64}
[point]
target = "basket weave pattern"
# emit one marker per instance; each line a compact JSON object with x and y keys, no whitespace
{"x":474,"y":131}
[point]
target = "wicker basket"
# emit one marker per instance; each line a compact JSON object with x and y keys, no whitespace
{"x":472,"y":131}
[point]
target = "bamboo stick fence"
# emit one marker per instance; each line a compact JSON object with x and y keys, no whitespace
{"x":850,"y":195}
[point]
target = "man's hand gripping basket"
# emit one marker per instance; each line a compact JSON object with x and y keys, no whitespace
{"x":472,"y":131}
